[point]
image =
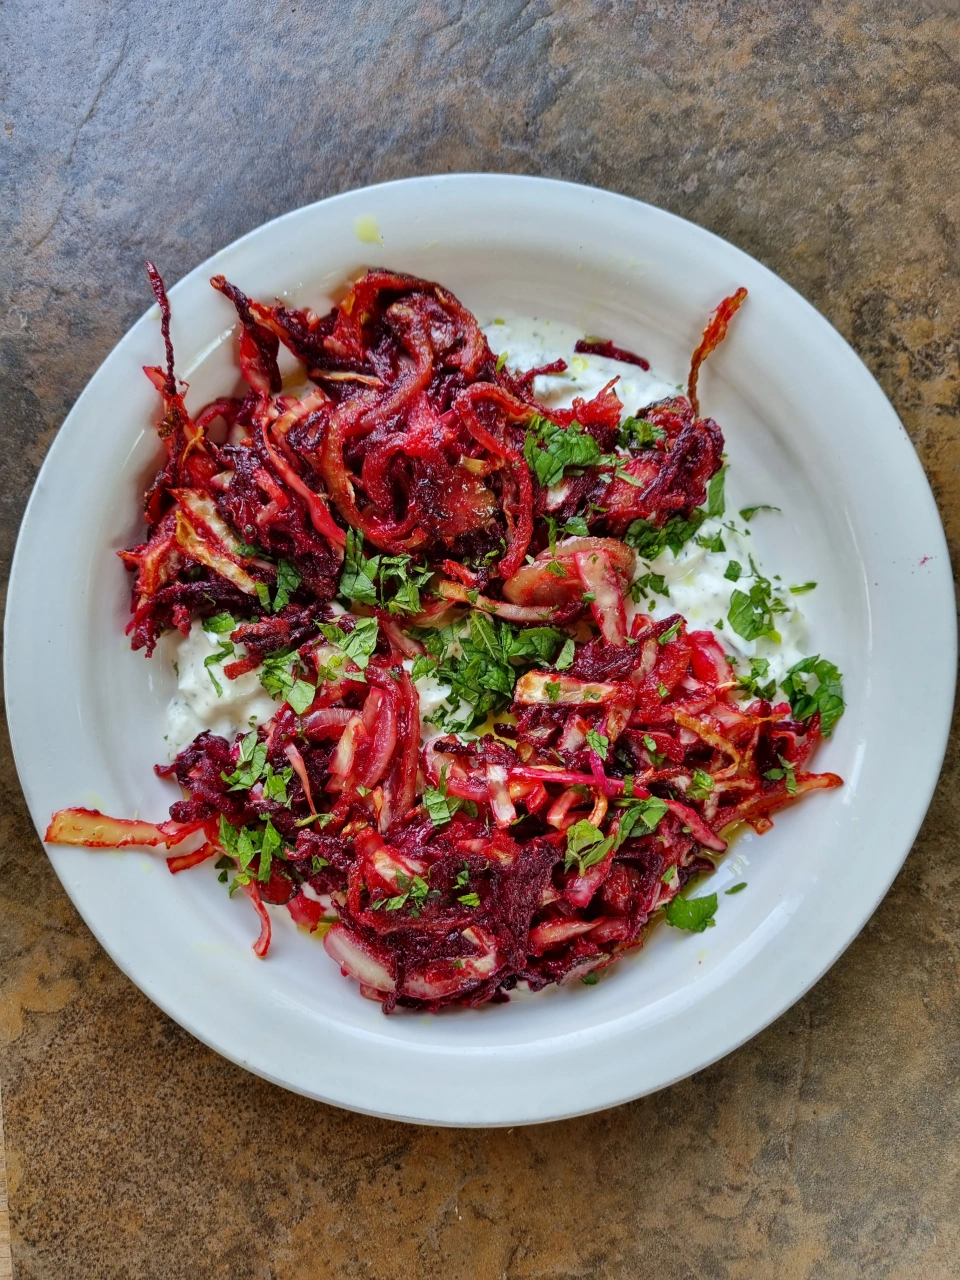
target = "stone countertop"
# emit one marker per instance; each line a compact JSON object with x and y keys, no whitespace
{"x":819,"y":137}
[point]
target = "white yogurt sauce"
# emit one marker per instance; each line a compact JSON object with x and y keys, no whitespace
{"x":695,"y":579}
{"x":698,"y":589}
{"x":196,"y":706}
{"x":530,"y":342}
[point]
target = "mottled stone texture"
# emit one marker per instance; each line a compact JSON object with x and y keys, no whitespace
{"x":822,"y":139}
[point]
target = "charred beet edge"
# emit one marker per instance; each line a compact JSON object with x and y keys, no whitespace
{"x":480,"y":535}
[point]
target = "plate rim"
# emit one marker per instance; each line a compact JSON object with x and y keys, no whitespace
{"x":942,"y":573}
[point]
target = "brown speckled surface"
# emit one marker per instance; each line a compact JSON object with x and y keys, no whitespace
{"x":820,"y":138}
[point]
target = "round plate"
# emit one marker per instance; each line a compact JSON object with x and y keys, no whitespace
{"x":808,"y":430}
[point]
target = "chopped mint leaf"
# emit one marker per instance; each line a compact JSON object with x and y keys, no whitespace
{"x":301,"y":696}
{"x":733,"y":571}
{"x":802,"y":588}
{"x":438,"y":804}
{"x":751,"y":614}
{"x":806,"y":698}
{"x":669,"y":875}
{"x":714,"y":543}
{"x":550,"y":449}
{"x":598,"y":743}
{"x":224,"y":651}
{"x":228,"y":836}
{"x":638,"y":433}
{"x":671,"y":633}
{"x":501,"y":360}
{"x":736,"y":888}
{"x":275,"y":785}
{"x":423,"y":665}
{"x":759,"y":670}
{"x":271,"y":845}
{"x":275,"y":674}
{"x":251,"y":764}
{"x":747,"y":513}
{"x":471,"y":899}
{"x":219,"y":624}
{"x":715,"y":500}
{"x":288,"y":579}
{"x":357,"y":644}
{"x":358,"y":579}
{"x":653,"y":582}
{"x":642,"y":814}
{"x":700,"y":786}
{"x":649,"y":542}
{"x":586,"y":846}
{"x":566,"y":655}
{"x":692,"y":914}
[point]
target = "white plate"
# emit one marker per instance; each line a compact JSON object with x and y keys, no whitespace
{"x":807,"y":429}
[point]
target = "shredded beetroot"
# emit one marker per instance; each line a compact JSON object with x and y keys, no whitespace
{"x":713,"y":335}
{"x":454,"y":871}
{"x":595,"y":347}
